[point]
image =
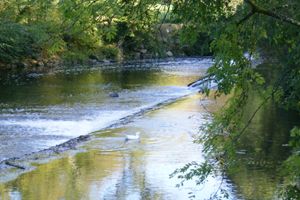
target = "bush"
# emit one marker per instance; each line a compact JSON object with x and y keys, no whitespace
{"x":108,"y":52}
{"x":75,"y":56}
{"x":16,"y":42}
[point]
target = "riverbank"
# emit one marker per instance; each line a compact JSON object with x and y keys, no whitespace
{"x":55,"y":66}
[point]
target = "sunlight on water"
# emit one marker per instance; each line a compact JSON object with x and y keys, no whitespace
{"x":72,"y":102}
{"x":114,"y":169}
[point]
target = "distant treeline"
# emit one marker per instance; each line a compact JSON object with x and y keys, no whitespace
{"x":42,"y":31}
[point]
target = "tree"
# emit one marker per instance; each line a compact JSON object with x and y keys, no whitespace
{"x":241,"y":28}
{"x":75,"y":29}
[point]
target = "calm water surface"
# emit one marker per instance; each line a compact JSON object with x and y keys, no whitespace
{"x":41,"y":110}
{"x":114,"y":169}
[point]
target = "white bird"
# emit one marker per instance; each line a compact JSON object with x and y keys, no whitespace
{"x":133,"y":137}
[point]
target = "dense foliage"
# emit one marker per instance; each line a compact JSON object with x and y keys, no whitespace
{"x":76,"y":29}
{"x":242,"y":32}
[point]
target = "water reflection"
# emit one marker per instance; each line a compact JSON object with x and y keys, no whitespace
{"x":39,"y":111}
{"x":114,"y":169}
{"x":263,"y":149}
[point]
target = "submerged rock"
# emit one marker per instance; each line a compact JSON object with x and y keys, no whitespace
{"x":113,"y":94}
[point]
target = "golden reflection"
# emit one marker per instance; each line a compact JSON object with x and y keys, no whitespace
{"x":66,"y":178}
{"x":113,"y":169}
{"x":138,"y":170}
{"x":255,"y":184}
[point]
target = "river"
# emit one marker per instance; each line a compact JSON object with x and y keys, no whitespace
{"x":40,"y":110}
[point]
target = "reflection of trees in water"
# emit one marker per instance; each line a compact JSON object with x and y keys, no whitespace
{"x":69,"y":86}
{"x":257,"y":171}
{"x":268,"y":131}
{"x":84,"y":85}
{"x":134,"y":181}
{"x":126,"y":78}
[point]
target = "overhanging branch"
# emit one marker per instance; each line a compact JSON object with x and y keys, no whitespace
{"x":246,"y":17}
{"x":256,"y":9}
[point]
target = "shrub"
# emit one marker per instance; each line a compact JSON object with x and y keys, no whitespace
{"x":16,"y":42}
{"x":108,"y":52}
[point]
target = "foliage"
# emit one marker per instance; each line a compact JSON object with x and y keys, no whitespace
{"x":15,"y":42}
{"x":291,"y":168}
{"x":75,"y":28}
{"x":108,"y":52}
{"x":192,"y":170}
{"x":240,"y":30}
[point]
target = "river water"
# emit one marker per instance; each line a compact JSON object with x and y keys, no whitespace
{"x":111,"y":168}
{"x":40,"y":110}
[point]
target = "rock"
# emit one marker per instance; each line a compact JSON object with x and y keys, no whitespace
{"x":93,"y":57}
{"x":40,"y":64}
{"x":106,"y":61}
{"x":34,"y":62}
{"x":113,"y":94}
{"x":92,"y":62}
{"x":137,"y":55}
{"x":169,"y":53}
{"x":143,"y":51}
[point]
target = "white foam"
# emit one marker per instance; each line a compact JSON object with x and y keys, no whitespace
{"x":71,"y":128}
{"x":85,"y":125}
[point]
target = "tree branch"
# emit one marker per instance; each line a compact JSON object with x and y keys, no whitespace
{"x":246,"y":17}
{"x":201,"y":80}
{"x":259,"y":10}
{"x":164,"y":19}
{"x":14,"y":165}
{"x":236,"y":138}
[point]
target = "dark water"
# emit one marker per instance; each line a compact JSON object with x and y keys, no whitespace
{"x":263,"y":149}
{"x":264,"y":145}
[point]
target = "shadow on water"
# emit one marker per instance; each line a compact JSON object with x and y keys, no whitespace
{"x":264,"y":146}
